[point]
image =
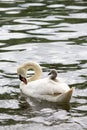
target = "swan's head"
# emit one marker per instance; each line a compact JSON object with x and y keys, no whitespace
{"x":22,"y":74}
{"x":53,"y":74}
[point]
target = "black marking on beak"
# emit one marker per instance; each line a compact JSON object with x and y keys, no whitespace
{"x":49,"y":73}
{"x":23,"y":79}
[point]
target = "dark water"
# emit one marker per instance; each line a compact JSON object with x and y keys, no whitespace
{"x":53,"y":33}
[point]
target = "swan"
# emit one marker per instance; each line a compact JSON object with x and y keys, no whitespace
{"x":51,"y":88}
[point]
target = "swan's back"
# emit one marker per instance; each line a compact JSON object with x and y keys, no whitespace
{"x":45,"y":86}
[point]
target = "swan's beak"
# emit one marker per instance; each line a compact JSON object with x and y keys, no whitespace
{"x":49,"y":73}
{"x":23,"y":79}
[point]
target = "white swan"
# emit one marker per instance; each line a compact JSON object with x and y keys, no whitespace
{"x":51,"y":88}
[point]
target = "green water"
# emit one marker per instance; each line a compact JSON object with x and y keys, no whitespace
{"x":54,"y":34}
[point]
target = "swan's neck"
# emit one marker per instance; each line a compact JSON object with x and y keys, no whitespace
{"x":35,"y":67}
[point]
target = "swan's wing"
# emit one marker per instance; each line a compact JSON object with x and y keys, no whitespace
{"x":44,"y":87}
{"x":58,"y":86}
{"x":60,"y":98}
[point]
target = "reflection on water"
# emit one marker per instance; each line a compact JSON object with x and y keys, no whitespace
{"x":53,"y":33}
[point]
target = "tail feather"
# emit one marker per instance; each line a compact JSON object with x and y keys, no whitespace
{"x":65,"y":97}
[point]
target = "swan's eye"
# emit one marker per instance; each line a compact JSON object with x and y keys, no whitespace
{"x":23,"y":79}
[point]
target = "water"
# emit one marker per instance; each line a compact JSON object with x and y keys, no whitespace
{"x":54,"y":34}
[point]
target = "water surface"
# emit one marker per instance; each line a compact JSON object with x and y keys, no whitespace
{"x":54,"y":34}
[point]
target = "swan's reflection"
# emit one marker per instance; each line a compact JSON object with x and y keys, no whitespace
{"x":34,"y":104}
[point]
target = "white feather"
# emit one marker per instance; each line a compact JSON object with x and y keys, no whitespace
{"x":46,"y":88}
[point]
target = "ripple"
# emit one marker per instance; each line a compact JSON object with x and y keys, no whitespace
{"x":8,"y":9}
{"x":54,"y":35}
{"x":31,"y":4}
{"x":79,"y":15}
{"x":55,"y":6}
{"x":9,"y":104}
{"x":76,"y":7}
{"x":81,"y":108}
{"x":10,"y":1}
{"x":13,"y":12}
{"x":5,"y":35}
{"x":19,"y":27}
